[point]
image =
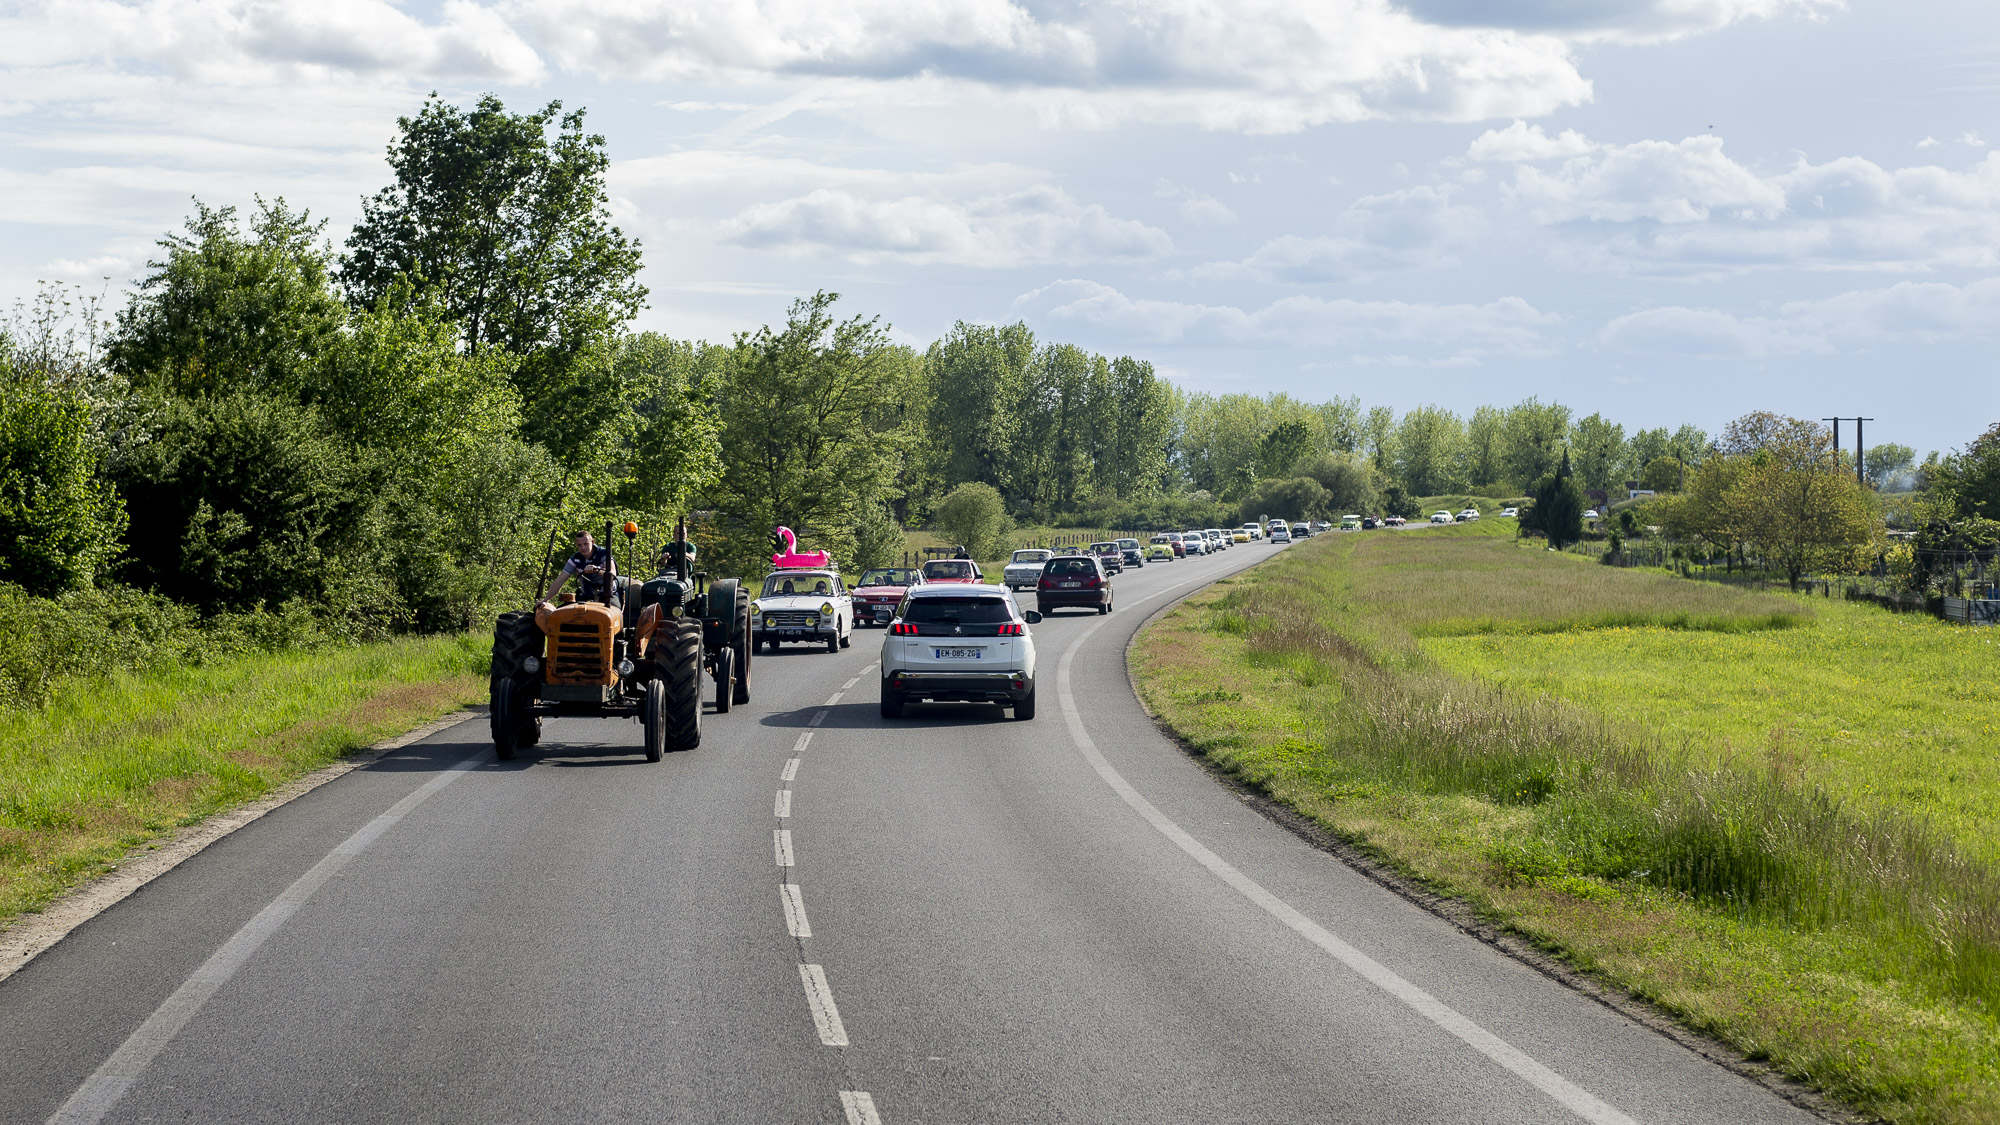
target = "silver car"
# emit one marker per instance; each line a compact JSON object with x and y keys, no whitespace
{"x":1025,"y":568}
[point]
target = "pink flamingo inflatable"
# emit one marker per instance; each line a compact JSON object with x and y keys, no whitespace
{"x":791,"y":556}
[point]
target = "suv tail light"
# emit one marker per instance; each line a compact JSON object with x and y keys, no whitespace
{"x":1046,"y":583}
{"x":1012,"y":629}
{"x":903,"y":629}
{"x":1092,"y":582}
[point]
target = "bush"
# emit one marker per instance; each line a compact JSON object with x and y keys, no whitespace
{"x":878,"y":539}
{"x":973,"y":516}
{"x":1300,"y":498}
{"x":59,"y":525}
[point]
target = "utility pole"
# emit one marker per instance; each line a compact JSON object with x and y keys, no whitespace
{"x":1860,"y":452}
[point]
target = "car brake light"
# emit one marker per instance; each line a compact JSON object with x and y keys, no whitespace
{"x":903,"y":629}
{"x":1047,"y":583}
{"x":1090,"y":583}
{"x":1010,"y":630}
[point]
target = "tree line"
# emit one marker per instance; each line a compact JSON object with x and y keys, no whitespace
{"x":397,"y":433}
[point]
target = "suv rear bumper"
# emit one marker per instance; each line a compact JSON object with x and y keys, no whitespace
{"x":960,"y":687}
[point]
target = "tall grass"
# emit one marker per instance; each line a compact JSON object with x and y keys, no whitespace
{"x":1748,"y":836}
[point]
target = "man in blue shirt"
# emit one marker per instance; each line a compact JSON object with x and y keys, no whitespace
{"x":592,"y":566}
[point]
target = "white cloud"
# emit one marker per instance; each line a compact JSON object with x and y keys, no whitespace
{"x":1415,"y":228}
{"x":1656,"y":206}
{"x":1038,"y":225}
{"x":1616,"y":21}
{"x":1523,"y":142}
{"x":255,"y":41}
{"x":1508,"y":326}
{"x":1919,"y":312}
{"x":1195,"y":207}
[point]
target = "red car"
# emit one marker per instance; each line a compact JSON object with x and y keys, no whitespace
{"x":879,"y":591}
{"x":952,"y":570}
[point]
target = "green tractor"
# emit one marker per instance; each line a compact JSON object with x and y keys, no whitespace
{"x":644,"y":658}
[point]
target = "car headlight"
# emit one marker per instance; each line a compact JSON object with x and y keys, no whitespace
{"x":770,"y":623}
{"x":532,"y":664}
{"x":826,"y":609}
{"x":625,"y":667}
{"x":755,"y":609}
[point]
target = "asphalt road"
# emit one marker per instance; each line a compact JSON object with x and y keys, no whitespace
{"x":949,"y":918}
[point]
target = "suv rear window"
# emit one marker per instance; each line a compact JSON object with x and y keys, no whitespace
{"x":958,"y":611}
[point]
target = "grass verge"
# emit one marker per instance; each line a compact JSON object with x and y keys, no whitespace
{"x":1752,"y":890}
{"x":111,"y":763}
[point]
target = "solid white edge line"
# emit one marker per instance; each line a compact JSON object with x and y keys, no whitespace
{"x":781,"y":843}
{"x":1566,"y":1093}
{"x":795,"y":910}
{"x":860,"y":1108}
{"x":104,"y":1088}
{"x":782,"y":806}
{"x":819,"y":997}
{"x":799,"y":747}
{"x":791,"y":771}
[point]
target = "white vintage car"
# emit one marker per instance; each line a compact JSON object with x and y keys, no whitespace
{"x":802,"y":605}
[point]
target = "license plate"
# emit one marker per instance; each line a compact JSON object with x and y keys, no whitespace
{"x":1071,"y":585}
{"x":960,"y":654}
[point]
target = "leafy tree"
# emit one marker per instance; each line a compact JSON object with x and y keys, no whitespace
{"x":223,"y":311}
{"x":1429,"y":450}
{"x":976,"y":376}
{"x":1484,"y":446}
{"x":1282,"y":447}
{"x":507,"y":226}
{"x":1349,"y":482}
{"x":1532,"y":439}
{"x":1648,"y":446}
{"x":1664,"y":473}
{"x":803,"y":414}
{"x":674,"y":451}
{"x":1971,"y":477}
{"x":1298,"y":498}
{"x":878,"y":539}
{"x":1378,"y":430}
{"x":1140,"y":409}
{"x":1889,"y":467}
{"x":1600,"y":452}
{"x":1397,"y":502}
{"x":245,"y":499}
{"x":59,"y":524}
{"x":1706,"y":510}
{"x":973,"y":516}
{"x":1557,"y":511}
{"x":1802,"y":510}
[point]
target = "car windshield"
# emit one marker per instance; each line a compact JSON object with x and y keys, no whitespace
{"x":1161,"y":540}
{"x":1105,"y":548}
{"x":958,"y":611}
{"x":888,"y":576}
{"x":1034,"y":556}
{"x":1128,"y":544}
{"x":948,"y":568}
{"x":1071,"y":566}
{"x":798,"y":583}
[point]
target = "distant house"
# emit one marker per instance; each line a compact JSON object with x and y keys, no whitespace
{"x":1599,"y":498}
{"x":1641,"y":493}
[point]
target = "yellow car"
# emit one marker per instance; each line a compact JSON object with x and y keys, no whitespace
{"x":1160,"y":552}
{"x":1239,"y":536}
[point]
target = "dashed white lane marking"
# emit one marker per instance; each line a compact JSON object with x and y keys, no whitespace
{"x":795,"y":910}
{"x":1568,"y":1094}
{"x":850,"y":684}
{"x":819,"y":716}
{"x":103,"y":1089}
{"x":781,"y":843}
{"x":826,"y":1017}
{"x":834,"y":698}
{"x":782,"y":807}
{"x":800,"y":746}
{"x":860,"y":1108}
{"x":791,"y":770}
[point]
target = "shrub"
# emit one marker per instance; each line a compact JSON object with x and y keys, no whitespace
{"x":973,"y":516}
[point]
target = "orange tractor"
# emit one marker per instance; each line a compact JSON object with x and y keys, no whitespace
{"x":641,"y":653}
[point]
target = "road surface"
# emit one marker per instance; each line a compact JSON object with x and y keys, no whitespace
{"x":818,"y":916}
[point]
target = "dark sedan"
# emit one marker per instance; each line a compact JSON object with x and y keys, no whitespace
{"x":1077,"y":581}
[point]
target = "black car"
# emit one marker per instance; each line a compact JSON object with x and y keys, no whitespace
{"x":1074,"y":580}
{"x":1135,"y":555}
{"x":1370,"y":523}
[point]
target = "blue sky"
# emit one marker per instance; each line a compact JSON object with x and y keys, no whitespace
{"x":1666,"y":211}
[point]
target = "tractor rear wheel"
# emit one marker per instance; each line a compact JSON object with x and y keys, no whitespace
{"x":652,"y":706}
{"x":682,"y":685}
{"x":741,"y":643}
{"x":725,"y":678}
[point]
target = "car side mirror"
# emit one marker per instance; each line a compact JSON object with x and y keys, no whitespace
{"x":1031,"y":617}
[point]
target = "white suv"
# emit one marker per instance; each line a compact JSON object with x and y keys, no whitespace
{"x":962,"y":644}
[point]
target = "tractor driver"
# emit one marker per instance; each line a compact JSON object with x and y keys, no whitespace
{"x":592,"y":566}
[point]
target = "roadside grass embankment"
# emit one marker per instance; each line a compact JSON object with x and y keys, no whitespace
{"x":1766,"y":814}
{"x":109,"y":763}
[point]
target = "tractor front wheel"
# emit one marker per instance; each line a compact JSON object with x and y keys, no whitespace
{"x":725,"y":666}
